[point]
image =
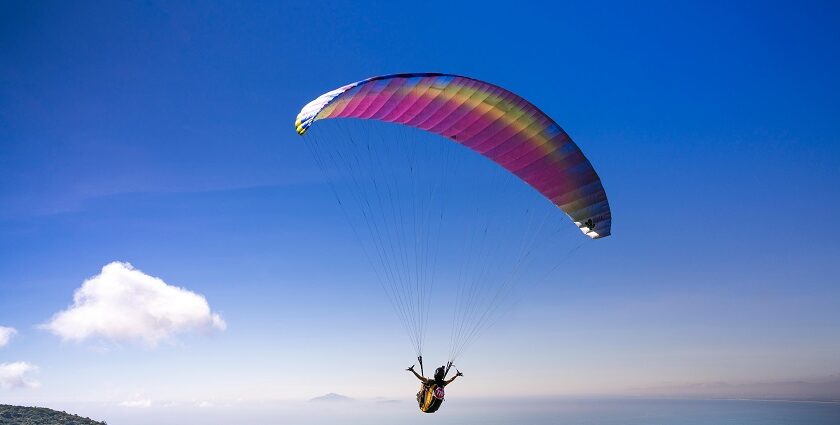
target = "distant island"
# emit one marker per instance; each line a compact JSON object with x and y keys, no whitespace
{"x":19,"y":415}
{"x":331,"y":397}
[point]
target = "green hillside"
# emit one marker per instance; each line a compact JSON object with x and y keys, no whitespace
{"x":18,"y":415}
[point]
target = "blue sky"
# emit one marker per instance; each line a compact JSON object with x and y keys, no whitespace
{"x":160,"y":134}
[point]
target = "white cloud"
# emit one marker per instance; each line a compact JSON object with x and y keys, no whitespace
{"x":124,"y":304}
{"x":15,"y":375}
{"x":138,"y":403}
{"x":6,"y":335}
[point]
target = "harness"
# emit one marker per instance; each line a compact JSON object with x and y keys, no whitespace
{"x":433,"y":395}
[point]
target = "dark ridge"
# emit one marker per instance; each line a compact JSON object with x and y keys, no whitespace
{"x":19,"y":415}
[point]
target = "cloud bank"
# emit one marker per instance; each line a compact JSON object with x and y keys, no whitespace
{"x":15,"y":375}
{"x":827,"y":389}
{"x":124,"y":304}
{"x":6,"y":335}
{"x":138,"y":403}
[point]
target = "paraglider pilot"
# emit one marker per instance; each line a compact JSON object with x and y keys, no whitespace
{"x":431,"y":393}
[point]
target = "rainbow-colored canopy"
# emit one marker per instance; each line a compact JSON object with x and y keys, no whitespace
{"x":488,"y":119}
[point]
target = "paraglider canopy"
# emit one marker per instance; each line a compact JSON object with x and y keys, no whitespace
{"x":486,"y":118}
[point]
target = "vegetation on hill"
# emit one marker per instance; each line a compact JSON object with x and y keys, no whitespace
{"x":18,"y":415}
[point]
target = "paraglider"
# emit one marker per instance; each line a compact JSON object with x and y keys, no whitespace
{"x":431,"y":394}
{"x":393,"y":188}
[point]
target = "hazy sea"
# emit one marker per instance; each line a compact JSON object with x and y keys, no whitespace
{"x":489,"y":412}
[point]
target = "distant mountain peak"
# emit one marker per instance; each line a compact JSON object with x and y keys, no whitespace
{"x":332,"y":397}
